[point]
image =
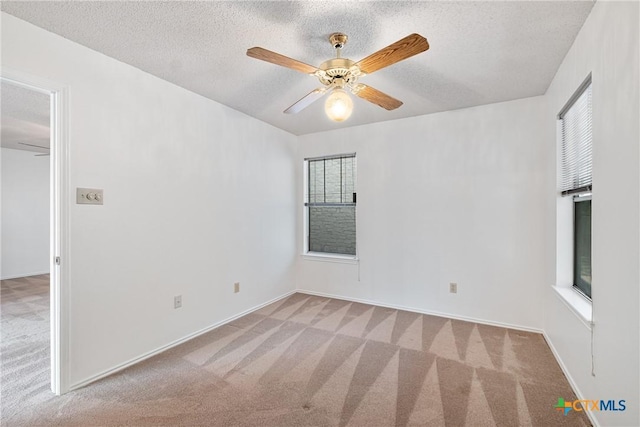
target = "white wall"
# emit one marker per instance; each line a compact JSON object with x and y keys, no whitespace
{"x":448,"y":197}
{"x":25,"y":214}
{"x":197,"y":196}
{"x":607,"y":46}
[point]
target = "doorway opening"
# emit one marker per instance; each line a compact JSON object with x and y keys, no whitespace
{"x":33,"y":221}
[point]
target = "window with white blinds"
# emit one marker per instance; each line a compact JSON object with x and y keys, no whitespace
{"x":576,"y":142}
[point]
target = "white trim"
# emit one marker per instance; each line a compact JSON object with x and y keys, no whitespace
{"x":305,"y":213}
{"x":172,"y":344}
{"x":428,"y":312}
{"x":19,"y":276}
{"x":59,"y":218}
{"x":570,"y":379}
{"x":318,"y":256}
{"x":576,"y":303}
{"x":61,"y":202}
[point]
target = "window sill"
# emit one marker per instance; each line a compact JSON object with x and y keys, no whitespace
{"x":341,"y":259}
{"x":579,"y":305}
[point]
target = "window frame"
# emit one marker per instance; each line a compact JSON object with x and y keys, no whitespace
{"x":325,"y":256}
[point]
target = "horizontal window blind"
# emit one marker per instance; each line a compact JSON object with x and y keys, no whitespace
{"x":331,"y":181}
{"x":576,"y":144}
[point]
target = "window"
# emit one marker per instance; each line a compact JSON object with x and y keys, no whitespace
{"x":330,"y":205}
{"x":576,"y":182}
{"x":582,"y":245}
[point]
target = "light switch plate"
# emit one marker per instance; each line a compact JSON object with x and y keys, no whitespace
{"x":89,"y":196}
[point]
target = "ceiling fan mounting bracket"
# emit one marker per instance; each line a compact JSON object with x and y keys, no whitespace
{"x":338,"y":40}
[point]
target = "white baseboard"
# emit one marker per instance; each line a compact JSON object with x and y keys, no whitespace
{"x":421,"y":311}
{"x":572,"y":383}
{"x":159,"y":350}
{"x":19,"y":276}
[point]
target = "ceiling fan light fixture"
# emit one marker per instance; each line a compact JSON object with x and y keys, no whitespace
{"x":337,"y":73}
{"x":338,"y":105}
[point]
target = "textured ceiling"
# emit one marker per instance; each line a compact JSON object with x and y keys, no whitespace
{"x":481,"y":52}
{"x":24,"y":118}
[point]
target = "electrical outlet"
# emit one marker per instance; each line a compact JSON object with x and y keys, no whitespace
{"x":177,"y":301}
{"x":236,"y":287}
{"x":453,"y":288}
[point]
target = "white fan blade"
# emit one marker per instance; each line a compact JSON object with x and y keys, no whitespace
{"x":34,"y":145}
{"x":307,"y":100}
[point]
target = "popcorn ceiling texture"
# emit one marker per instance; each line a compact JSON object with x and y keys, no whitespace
{"x":481,"y":52}
{"x":25,"y":117}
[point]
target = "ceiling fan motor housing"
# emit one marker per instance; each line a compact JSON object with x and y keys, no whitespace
{"x":338,"y":72}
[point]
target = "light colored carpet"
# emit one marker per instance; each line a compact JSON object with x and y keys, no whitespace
{"x":305,"y":361}
{"x":24,"y":343}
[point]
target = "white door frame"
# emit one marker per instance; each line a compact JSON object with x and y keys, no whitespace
{"x":59,"y":220}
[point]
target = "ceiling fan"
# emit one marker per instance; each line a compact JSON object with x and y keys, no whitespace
{"x":339,"y":73}
{"x":38,"y":146}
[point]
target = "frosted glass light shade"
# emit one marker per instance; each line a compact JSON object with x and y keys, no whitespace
{"x":338,"y":105}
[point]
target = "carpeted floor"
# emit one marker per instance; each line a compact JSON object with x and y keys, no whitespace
{"x":303,"y":361}
{"x":24,"y":343}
